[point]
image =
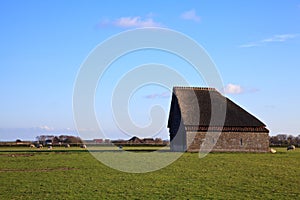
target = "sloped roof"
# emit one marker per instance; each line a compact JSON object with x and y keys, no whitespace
{"x":135,"y":140}
{"x":197,"y":106}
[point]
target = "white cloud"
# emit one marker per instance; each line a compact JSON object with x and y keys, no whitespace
{"x":46,"y":128}
{"x":233,"y":89}
{"x":135,"y":22}
{"x":249,"y":45}
{"x":190,"y":15}
{"x":158,"y":95}
{"x":280,"y":38}
{"x":131,"y":22}
{"x":275,"y":38}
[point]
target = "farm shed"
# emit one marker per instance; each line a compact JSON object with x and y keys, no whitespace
{"x":197,"y":114}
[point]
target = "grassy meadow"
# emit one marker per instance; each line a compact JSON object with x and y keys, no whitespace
{"x":76,"y":174}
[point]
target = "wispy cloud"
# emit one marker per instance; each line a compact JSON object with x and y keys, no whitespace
{"x":275,"y":38}
{"x":280,"y":38}
{"x":250,"y":45}
{"x":238,"y":89}
{"x":158,"y":95}
{"x":45,"y":128}
{"x":11,"y":134}
{"x":190,"y":15}
{"x":233,"y":89}
{"x":131,"y":22}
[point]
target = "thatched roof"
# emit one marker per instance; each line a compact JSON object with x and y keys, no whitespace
{"x":135,"y":139}
{"x":199,"y":108}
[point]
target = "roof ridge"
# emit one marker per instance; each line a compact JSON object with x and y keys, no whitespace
{"x":194,"y":88}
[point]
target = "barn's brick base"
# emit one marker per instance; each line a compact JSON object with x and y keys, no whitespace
{"x":229,"y":141}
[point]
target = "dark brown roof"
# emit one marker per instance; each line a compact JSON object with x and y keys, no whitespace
{"x":190,"y":101}
{"x":135,"y":139}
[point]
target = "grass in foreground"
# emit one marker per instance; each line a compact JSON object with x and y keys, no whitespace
{"x":78,"y":175}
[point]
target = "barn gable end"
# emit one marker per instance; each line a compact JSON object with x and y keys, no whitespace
{"x":191,"y":118}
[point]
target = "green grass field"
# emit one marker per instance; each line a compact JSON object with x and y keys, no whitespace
{"x":76,"y":174}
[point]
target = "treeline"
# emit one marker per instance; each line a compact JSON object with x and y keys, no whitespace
{"x":135,"y":141}
{"x":46,"y":140}
{"x":284,"y":140}
{"x":58,"y":140}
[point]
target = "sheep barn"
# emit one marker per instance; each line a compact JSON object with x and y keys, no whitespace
{"x":194,"y":117}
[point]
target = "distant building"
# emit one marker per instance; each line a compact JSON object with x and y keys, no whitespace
{"x":135,"y":140}
{"x":282,"y":137}
{"x":148,"y":141}
{"x":190,"y":120}
{"x":98,"y":141}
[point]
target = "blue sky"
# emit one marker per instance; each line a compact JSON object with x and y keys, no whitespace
{"x":254,"y":44}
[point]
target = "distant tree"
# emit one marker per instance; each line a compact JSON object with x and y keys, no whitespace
{"x":67,"y":139}
{"x":274,"y":141}
{"x":158,"y":141}
{"x":73,"y":140}
{"x":282,"y":137}
{"x":42,"y":139}
{"x":293,"y":140}
{"x":284,"y":140}
{"x":63,"y":138}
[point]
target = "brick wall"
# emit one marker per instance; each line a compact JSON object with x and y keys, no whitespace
{"x":229,"y":141}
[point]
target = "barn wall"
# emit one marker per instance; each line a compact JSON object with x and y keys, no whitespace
{"x":230,"y":141}
{"x":178,"y":140}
